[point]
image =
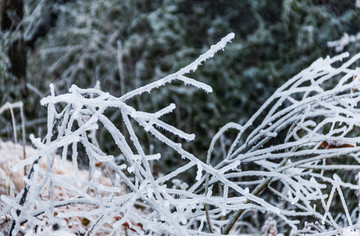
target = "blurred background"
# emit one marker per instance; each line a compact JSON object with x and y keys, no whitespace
{"x":125,"y":44}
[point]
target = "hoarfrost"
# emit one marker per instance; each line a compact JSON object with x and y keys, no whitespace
{"x":306,"y":122}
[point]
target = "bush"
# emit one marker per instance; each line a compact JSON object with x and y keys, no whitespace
{"x":280,"y":164}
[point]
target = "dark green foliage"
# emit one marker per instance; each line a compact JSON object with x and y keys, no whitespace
{"x":274,"y":40}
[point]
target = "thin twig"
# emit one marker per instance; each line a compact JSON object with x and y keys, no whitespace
{"x":207,"y":205}
{"x":13,"y":122}
{"x":23,"y":134}
{"x":255,"y":192}
{"x":23,"y":197}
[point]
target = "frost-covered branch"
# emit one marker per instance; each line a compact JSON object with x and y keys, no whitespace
{"x":345,"y":40}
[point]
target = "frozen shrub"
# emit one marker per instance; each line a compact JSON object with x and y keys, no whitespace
{"x":310,"y":130}
{"x":149,"y":204}
{"x":281,"y":162}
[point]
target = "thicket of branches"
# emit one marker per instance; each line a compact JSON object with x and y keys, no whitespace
{"x":279,"y":168}
{"x":315,"y":115}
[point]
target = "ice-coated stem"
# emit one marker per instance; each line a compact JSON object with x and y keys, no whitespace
{"x":261,"y":187}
